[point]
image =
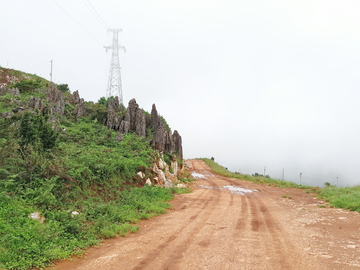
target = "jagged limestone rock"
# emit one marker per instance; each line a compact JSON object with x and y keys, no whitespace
{"x":56,"y":98}
{"x":13,"y":91}
{"x":124,"y":127}
{"x":127,"y":117}
{"x":132,"y":108}
{"x":35,"y":103}
{"x":75,"y":98}
{"x":160,"y":133}
{"x":154,"y":117}
{"x":136,"y":120}
{"x":113,"y":108}
{"x":140,"y":123}
{"x":169,"y":144}
{"x":113,"y":105}
{"x":177,"y":144}
{"x":163,"y":175}
{"x":80,"y":109}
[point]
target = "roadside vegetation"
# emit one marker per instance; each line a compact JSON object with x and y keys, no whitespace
{"x":345,"y":197}
{"x":259,"y":179}
{"x":81,"y":183}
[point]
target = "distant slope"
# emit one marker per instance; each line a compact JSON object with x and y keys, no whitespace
{"x":9,"y":76}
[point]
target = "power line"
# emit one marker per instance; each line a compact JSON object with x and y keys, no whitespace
{"x":92,"y":11}
{"x":98,"y":14}
{"x":79,"y":24}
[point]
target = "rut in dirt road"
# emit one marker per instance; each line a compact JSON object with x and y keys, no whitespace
{"x":215,"y":227}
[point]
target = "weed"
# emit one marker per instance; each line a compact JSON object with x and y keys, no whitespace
{"x":321,"y":206}
{"x":284,"y":196}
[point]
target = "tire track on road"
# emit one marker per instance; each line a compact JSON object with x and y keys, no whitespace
{"x":180,"y":249}
{"x":154,"y":254}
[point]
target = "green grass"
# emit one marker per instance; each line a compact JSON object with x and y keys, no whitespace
{"x":346,"y":197}
{"x":27,"y":243}
{"x":216,"y":168}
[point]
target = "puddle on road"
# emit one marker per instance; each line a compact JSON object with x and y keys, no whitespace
{"x":233,"y":189}
{"x":198,"y":175}
{"x":210,"y":187}
{"x":239,"y":190}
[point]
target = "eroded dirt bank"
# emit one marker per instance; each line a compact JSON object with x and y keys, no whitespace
{"x":213,"y":228}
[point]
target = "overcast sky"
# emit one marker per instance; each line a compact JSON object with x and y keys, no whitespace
{"x":251,"y":83}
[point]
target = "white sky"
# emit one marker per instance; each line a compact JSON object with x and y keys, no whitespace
{"x":252,"y":83}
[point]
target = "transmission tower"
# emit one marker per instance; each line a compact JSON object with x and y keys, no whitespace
{"x":114,"y":87}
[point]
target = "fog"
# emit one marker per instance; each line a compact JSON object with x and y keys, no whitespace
{"x":253,"y":84}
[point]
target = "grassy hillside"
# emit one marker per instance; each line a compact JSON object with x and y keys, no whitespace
{"x":83,"y":183}
{"x":11,"y":76}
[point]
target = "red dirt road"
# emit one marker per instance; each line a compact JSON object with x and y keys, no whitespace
{"x":214,"y":229}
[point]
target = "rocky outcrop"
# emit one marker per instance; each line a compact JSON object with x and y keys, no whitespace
{"x":113,"y":119}
{"x":164,"y":176}
{"x":132,"y":120}
{"x":163,"y":138}
{"x":56,"y":98}
{"x":75,"y":98}
{"x":140,"y":123}
{"x":80,"y":109}
{"x":136,"y":120}
{"x":177,"y":144}
{"x":13,"y":91}
{"x":35,"y":103}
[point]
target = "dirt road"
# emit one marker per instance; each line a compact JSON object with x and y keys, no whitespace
{"x":214,"y":228}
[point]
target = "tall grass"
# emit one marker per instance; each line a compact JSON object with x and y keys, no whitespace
{"x":346,"y":197}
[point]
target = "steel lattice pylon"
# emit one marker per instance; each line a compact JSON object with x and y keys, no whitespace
{"x":114,"y":87}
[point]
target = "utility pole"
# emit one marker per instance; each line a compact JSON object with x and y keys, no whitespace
{"x":114,"y":87}
{"x":265,"y":171}
{"x":283,"y":174}
{"x":300,"y":177}
{"x":51,"y":70}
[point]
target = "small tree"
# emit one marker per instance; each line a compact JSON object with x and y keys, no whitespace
{"x":105,"y":101}
{"x":63,"y":88}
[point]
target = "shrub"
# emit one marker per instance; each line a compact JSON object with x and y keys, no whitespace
{"x":27,"y":85}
